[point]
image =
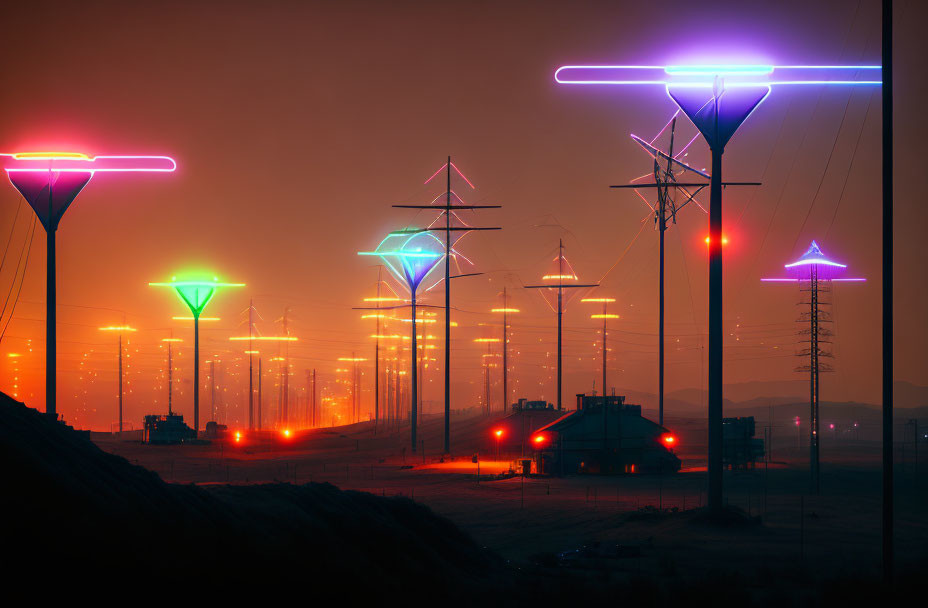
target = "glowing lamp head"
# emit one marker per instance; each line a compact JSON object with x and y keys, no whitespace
{"x":286,"y":433}
{"x":668,"y":440}
{"x":539,"y":440}
{"x":196,"y":293}
{"x":724,"y":240}
{"x":238,"y":436}
{"x":498,"y":433}
{"x":410,"y":255}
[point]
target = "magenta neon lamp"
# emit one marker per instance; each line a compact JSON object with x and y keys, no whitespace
{"x":50,"y":181}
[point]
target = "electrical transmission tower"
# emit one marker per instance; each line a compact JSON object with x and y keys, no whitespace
{"x":815,"y":273}
{"x":452,"y":224}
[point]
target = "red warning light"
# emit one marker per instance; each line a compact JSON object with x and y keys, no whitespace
{"x":498,"y":433}
{"x":724,"y":240}
{"x":669,"y":440}
{"x":238,"y":436}
{"x":538,"y":439}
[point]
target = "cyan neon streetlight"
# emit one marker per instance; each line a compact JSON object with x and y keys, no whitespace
{"x":718,"y":98}
{"x":814,"y":272}
{"x":50,"y":181}
{"x":196,"y":294}
{"x":410,"y":256}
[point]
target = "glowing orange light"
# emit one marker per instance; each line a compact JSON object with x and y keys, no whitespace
{"x":118,"y":328}
{"x":498,"y":433}
{"x":286,"y":432}
{"x":669,"y":440}
{"x":539,"y":439}
{"x":601,"y":300}
{"x":172,"y":339}
{"x":487,"y":339}
{"x":50,"y":155}
{"x":604,"y":316}
{"x":559,"y":277}
{"x":724,"y":240}
{"x":504,"y":310}
{"x":238,"y":436}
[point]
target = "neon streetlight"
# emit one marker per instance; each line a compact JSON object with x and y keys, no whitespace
{"x":499,"y":436}
{"x":50,"y":181}
{"x":120,"y":329}
{"x":196,"y":294}
{"x":718,"y":98}
{"x":410,"y":256}
{"x":814,"y":271}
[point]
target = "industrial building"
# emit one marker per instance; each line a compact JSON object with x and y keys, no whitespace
{"x":166,"y":428}
{"x":604,"y":435}
{"x":740,"y":449}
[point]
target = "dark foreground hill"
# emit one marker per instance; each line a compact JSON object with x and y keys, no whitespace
{"x":79,"y":515}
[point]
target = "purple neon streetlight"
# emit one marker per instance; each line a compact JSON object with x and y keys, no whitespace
{"x":814,"y":272}
{"x":50,"y":181}
{"x":410,"y":256}
{"x":718,"y":99}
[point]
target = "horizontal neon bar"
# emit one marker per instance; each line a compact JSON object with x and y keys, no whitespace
{"x":604,"y":316}
{"x":403,"y":254}
{"x":815,"y":261}
{"x":118,"y":328}
{"x":504,"y":310}
{"x":264,"y":338}
{"x":75,"y":161}
{"x":684,"y":74}
{"x":598,"y":300}
{"x":191,"y":318}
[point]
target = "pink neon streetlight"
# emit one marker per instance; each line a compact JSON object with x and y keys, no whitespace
{"x":50,"y":181}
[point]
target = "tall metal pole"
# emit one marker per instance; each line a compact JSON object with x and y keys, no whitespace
{"x":560,"y":291}
{"x":715,"y":330}
{"x":662,"y":202}
{"x":170,"y":377}
{"x":377,"y":355}
{"x":447,"y":312}
{"x":813,"y":379}
{"x":314,"y":398}
{"x":196,"y":372}
{"x":413,"y":413}
{"x":260,"y":400}
{"x":51,"y":337}
{"x":605,"y":427}
{"x":212,"y":388}
{"x":505,"y":351}
{"x":120,"y":381}
{"x":251,"y":358}
{"x":887,"y":291}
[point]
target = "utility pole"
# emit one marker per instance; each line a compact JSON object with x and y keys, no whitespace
{"x":260,"y":400}
{"x":120,"y":329}
{"x":506,"y":310}
{"x":251,"y":357}
{"x":170,"y":342}
{"x":887,"y":275}
{"x":560,"y":286}
{"x":447,"y":210}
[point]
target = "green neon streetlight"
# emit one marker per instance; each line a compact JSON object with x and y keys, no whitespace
{"x":196,"y":294}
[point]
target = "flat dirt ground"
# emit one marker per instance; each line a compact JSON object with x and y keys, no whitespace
{"x":834,"y":534}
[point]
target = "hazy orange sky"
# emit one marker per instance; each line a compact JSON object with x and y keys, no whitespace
{"x":296,"y":125}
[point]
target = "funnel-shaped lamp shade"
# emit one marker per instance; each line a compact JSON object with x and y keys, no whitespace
{"x":50,"y":181}
{"x":410,"y":257}
{"x":196,"y":294}
{"x":717,"y":114}
{"x":814,"y":260}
